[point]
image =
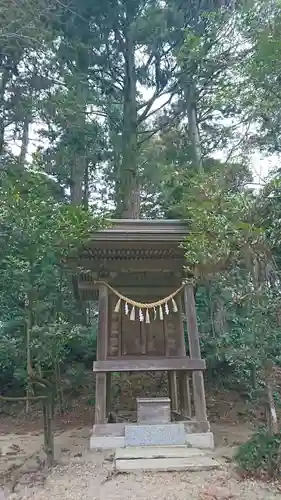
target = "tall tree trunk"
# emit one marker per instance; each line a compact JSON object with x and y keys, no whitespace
{"x":77,"y":177}
{"x":24,"y":140}
{"x":128,"y":192}
{"x":272,"y":421}
{"x":3,"y":84}
{"x":78,"y":132}
{"x":86,"y":192}
{"x":79,"y":161}
{"x":76,"y":190}
{"x":193,"y":128}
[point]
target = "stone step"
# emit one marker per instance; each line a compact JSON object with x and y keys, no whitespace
{"x":191,"y":464}
{"x":138,"y":452}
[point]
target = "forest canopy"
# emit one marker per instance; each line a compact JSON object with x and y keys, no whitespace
{"x":140,"y":108}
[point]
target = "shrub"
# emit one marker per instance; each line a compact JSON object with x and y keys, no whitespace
{"x":261,"y":455}
{"x":60,"y":343}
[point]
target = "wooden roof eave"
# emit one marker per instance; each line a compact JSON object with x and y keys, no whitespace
{"x":143,"y":230}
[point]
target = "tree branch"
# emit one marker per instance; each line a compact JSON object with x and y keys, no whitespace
{"x":148,"y":105}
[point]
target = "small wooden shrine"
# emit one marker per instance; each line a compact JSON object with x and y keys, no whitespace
{"x":137,"y":267}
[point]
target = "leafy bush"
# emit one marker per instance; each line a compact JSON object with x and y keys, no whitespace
{"x":60,"y":343}
{"x":37,"y":232}
{"x":261,"y":455}
{"x":10,"y":362}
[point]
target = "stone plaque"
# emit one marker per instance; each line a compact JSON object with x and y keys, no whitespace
{"x":155,"y":435}
{"x":154,"y":410}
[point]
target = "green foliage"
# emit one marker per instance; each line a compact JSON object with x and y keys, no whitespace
{"x":46,"y":226}
{"x":60,"y":342}
{"x":238,"y":298}
{"x":239,"y":331}
{"x":38,"y":232}
{"x":261,"y":455}
{"x":219,"y":224}
{"x":51,"y":344}
{"x":261,"y":73}
{"x":210,"y":74}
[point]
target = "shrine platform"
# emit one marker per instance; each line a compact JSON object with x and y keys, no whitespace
{"x":111,"y":436}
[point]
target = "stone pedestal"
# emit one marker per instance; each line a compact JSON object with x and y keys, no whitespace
{"x":155,"y":435}
{"x":153,"y":428}
{"x":153,"y":411}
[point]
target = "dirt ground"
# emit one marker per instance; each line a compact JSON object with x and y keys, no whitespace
{"x":87,"y":475}
{"x":84,"y":474}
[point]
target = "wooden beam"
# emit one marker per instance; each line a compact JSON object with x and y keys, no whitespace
{"x":179,"y":417}
{"x":143,"y":338}
{"x":195,"y":352}
{"x":185,"y":395}
{"x":146,"y":365}
{"x":108,"y":393}
{"x":154,"y":291}
{"x":183,"y":377}
{"x":102,"y":340}
{"x":102,"y":337}
{"x":173,"y":389}
{"x":128,"y":264}
{"x":182,"y":346}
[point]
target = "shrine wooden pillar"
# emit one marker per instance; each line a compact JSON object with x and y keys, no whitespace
{"x":173,"y":392}
{"x":183,"y":377}
{"x":172,"y":375}
{"x":195,"y":353}
{"x":102,"y":339}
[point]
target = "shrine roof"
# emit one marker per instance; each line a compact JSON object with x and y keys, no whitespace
{"x":153,"y":230}
{"x":129,"y":244}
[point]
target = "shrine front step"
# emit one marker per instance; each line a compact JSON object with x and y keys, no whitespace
{"x":161,"y":458}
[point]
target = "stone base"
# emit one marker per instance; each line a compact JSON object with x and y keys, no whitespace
{"x":118,"y":428}
{"x":155,"y":435}
{"x":109,"y":440}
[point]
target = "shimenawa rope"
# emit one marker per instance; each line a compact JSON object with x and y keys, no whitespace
{"x":147,"y":306}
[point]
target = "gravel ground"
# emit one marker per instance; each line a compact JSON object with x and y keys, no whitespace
{"x":90,"y":477}
{"x":83,"y":474}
